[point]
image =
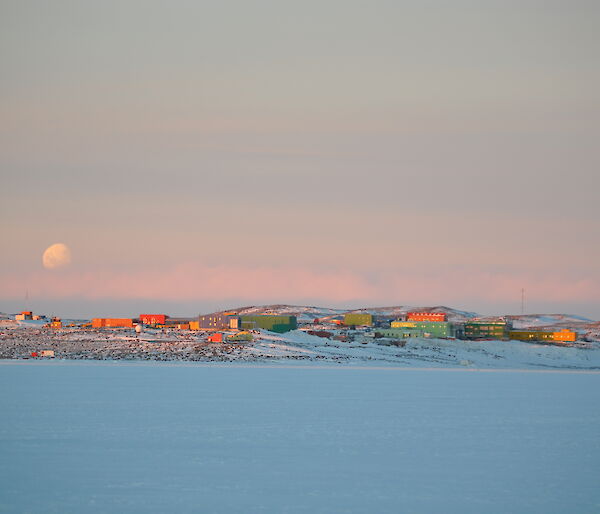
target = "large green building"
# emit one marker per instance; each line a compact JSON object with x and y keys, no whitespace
{"x":441,"y":329}
{"x":278,"y":324}
{"x":358,"y":319}
{"x":481,"y":329}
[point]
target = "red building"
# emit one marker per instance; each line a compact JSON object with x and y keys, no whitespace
{"x":215,"y":338}
{"x":426,"y":316}
{"x":153,"y":319}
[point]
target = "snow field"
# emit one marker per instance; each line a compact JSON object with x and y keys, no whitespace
{"x":94,"y":437}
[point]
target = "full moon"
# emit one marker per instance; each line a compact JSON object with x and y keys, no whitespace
{"x":56,"y":256}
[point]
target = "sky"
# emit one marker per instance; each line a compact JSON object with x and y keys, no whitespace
{"x":200,"y":155}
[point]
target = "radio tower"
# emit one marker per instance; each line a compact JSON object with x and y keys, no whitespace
{"x":522,"y":301}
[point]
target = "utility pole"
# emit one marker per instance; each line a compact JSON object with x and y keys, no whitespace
{"x":522,"y":301}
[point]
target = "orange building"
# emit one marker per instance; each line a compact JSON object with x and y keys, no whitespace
{"x":153,"y":319}
{"x":565,"y":335}
{"x":112,"y":323}
{"x":426,"y":316}
{"x":215,"y":338}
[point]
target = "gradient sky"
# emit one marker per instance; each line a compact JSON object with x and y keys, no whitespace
{"x":202,"y":155}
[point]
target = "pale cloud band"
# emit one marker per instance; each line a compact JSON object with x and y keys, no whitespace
{"x":199,"y":282}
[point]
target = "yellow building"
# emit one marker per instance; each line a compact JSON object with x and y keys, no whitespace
{"x":194,"y":325}
{"x":403,"y":324}
{"x":240,"y":336}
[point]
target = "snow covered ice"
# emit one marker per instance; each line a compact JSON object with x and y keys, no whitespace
{"x":94,"y":437}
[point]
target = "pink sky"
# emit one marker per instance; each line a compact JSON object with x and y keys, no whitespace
{"x":200,"y":283}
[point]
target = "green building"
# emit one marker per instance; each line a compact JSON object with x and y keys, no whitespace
{"x":358,"y":319}
{"x":439,"y":329}
{"x":399,"y":333}
{"x":278,"y":324}
{"x":479,"y":329}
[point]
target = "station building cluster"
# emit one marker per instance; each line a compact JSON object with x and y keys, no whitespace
{"x":436,"y":325}
{"x":233,"y":326}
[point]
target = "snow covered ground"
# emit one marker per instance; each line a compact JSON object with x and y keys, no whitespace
{"x":419,"y":352}
{"x":95,"y":437}
{"x":294,"y":347}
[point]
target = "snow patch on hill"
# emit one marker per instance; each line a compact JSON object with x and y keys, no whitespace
{"x":309,"y":313}
{"x":545,"y":320}
{"x":419,"y":352}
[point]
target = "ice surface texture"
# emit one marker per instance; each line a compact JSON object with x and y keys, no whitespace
{"x":93,"y":437}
